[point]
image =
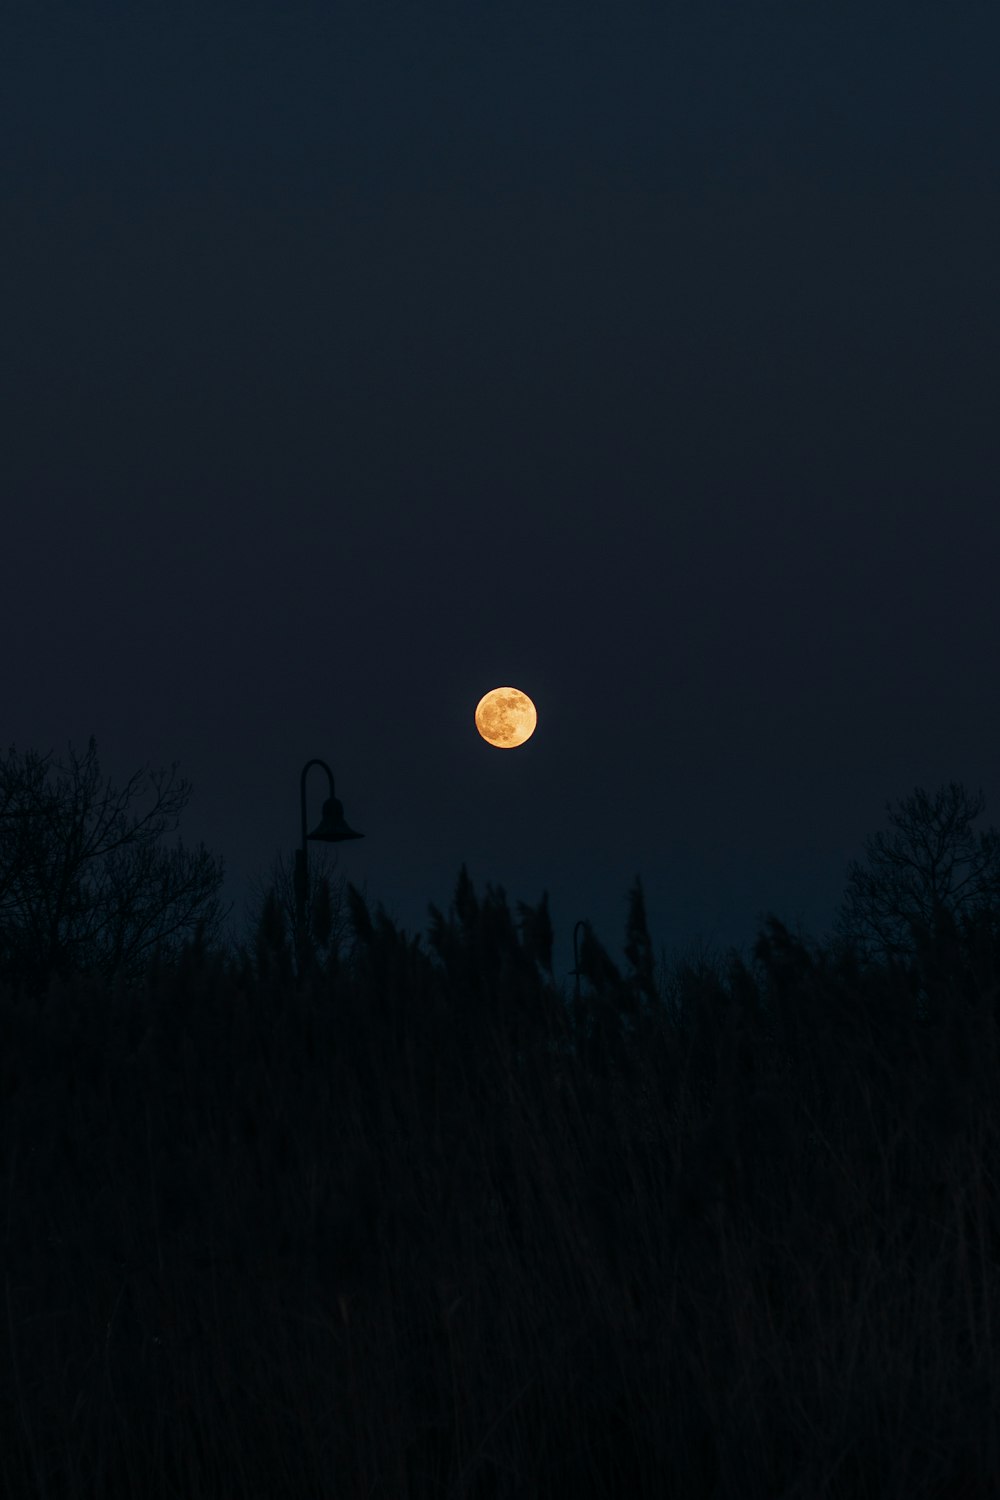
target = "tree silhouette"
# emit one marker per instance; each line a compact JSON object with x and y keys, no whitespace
{"x":83,"y":889}
{"x":931,"y":867}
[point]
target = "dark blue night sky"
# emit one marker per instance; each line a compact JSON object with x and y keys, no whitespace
{"x":358,"y":358}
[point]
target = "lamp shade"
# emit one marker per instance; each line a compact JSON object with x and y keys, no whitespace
{"x":332,"y":827}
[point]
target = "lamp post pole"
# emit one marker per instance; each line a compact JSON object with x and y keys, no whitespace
{"x":332,"y":829}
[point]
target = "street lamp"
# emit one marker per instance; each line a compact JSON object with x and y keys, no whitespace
{"x":333,"y":829}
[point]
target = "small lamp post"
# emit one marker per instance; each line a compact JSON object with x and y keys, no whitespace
{"x":333,"y":829}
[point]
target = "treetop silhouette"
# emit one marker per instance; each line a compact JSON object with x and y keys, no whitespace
{"x":83,"y":887}
{"x":929,"y":867}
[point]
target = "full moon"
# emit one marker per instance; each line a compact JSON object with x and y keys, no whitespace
{"x":506,"y":717}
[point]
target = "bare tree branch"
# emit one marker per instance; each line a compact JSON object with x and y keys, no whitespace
{"x":931,"y":861}
{"x":83,"y":885}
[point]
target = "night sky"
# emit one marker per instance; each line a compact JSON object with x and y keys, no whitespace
{"x":358,"y":358}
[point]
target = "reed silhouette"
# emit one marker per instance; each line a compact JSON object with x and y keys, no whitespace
{"x":416,"y":1221}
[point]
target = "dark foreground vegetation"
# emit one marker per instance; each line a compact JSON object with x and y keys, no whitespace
{"x":419,"y":1224}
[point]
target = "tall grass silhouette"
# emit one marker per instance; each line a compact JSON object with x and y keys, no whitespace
{"x":412,"y":1223}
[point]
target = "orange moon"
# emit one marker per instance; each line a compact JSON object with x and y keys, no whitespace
{"x":506,"y":717}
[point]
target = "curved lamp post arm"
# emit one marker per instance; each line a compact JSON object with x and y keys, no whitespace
{"x":302,"y":785}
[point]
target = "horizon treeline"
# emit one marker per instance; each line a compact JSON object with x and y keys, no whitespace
{"x":86,"y":888}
